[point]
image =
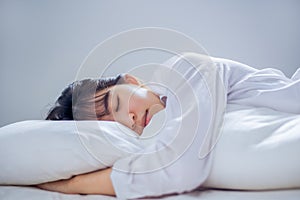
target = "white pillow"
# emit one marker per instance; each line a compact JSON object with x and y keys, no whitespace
{"x":37,"y":151}
{"x":258,"y":149}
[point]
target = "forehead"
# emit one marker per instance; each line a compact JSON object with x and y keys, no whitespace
{"x":123,"y":88}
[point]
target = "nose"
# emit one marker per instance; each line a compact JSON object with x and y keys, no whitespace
{"x":136,"y":120}
{"x":136,"y":123}
{"x":132,"y":119}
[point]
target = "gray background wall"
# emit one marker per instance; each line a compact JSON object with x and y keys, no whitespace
{"x":43,"y":43}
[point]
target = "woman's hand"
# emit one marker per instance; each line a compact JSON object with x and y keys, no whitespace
{"x":97,"y":182}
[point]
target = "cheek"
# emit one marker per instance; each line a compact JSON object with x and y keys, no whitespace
{"x":122,"y":117}
{"x":139,"y":97}
{"x":137,"y":103}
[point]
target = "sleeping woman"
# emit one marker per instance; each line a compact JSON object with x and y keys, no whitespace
{"x":125,"y":99}
{"x":121,"y":98}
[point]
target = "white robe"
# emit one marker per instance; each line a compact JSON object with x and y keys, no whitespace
{"x":186,"y":169}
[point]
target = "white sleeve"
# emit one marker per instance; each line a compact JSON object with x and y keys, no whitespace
{"x":260,"y":88}
{"x":173,"y":164}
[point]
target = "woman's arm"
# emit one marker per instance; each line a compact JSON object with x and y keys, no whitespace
{"x":98,"y":182}
{"x":268,"y":87}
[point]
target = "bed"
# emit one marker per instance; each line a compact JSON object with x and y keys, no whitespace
{"x":255,"y":147}
{"x":29,"y":193}
{"x":261,"y":135}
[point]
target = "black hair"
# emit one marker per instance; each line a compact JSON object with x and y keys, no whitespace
{"x":83,"y":100}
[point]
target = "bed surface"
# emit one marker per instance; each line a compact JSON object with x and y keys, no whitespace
{"x":268,"y":139}
{"x":31,"y":193}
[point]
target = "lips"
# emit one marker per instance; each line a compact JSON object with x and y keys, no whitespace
{"x":147,"y":118}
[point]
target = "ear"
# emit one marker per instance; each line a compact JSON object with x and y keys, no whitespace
{"x":129,"y":79}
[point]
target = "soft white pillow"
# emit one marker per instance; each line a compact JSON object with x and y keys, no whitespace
{"x":258,"y":149}
{"x":38,"y":151}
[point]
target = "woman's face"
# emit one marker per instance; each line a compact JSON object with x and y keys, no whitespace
{"x":132,"y":106}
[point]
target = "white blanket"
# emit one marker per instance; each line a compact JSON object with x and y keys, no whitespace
{"x":258,"y":149}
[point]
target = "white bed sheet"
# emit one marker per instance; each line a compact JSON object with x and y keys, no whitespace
{"x":31,"y":193}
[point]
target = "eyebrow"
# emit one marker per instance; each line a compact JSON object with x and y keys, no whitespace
{"x":118,"y":103}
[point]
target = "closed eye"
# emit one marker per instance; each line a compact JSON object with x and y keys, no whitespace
{"x":118,"y":104}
